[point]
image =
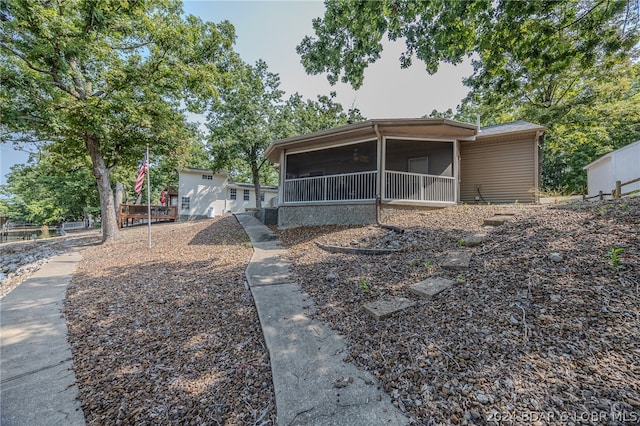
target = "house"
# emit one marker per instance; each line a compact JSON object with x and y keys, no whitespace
{"x":621,"y":165}
{"x":203,"y":193}
{"x":335,"y":176}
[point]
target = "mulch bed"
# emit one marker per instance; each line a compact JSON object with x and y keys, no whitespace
{"x":169,"y":335}
{"x":520,"y":338}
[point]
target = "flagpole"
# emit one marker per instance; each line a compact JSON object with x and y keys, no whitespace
{"x":148,"y":196}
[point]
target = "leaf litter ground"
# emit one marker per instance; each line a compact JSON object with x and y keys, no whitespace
{"x":171,"y":336}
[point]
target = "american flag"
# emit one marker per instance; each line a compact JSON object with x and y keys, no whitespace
{"x":142,"y":169}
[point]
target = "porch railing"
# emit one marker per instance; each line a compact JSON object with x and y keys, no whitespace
{"x":361,"y":186}
{"x":419,"y":187}
{"x":344,"y":187}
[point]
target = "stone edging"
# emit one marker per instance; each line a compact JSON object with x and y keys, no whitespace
{"x":356,"y":250}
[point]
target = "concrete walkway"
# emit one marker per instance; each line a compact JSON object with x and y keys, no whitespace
{"x":37,"y":384}
{"x":313,"y":385}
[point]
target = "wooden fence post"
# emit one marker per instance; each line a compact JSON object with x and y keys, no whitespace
{"x":618,"y":189}
{"x":601,"y":195}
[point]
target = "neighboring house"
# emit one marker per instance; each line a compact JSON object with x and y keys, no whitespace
{"x":203,"y":193}
{"x":335,"y":176}
{"x":621,"y":165}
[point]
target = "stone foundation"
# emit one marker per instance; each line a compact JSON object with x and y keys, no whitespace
{"x":326,"y":214}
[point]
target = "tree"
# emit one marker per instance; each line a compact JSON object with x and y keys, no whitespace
{"x":300,"y":116}
{"x":249,"y":114}
{"x":50,"y":188}
{"x":517,"y":43}
{"x":243,"y":120}
{"x":107,"y":79}
{"x":536,"y":61}
{"x":604,"y":117}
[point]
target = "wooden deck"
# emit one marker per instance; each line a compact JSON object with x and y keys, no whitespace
{"x":128,"y":213}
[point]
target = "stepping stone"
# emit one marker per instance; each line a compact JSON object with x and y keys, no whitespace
{"x":497,"y":220}
{"x":474,"y":240}
{"x":431,"y":286}
{"x":381,"y":309}
{"x":457,"y":260}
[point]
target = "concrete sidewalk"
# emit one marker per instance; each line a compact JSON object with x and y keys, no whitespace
{"x":37,"y":384}
{"x":313,"y":385}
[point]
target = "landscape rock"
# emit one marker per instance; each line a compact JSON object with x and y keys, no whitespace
{"x":555,"y":257}
{"x":20,"y":259}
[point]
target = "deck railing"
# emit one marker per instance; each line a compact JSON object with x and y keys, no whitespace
{"x":419,"y":187}
{"x":69,"y":226}
{"x":128,"y":212}
{"x":358,"y":186}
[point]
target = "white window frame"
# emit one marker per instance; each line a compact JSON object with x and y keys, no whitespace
{"x":186,"y":201}
{"x":246,"y":195}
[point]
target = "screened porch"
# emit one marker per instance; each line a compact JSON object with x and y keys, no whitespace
{"x":408,"y":171}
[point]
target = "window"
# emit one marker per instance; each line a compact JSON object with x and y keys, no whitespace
{"x":186,"y":203}
{"x":207,"y":177}
{"x":233,"y":193}
{"x":245,"y":195}
{"x":261,"y":195}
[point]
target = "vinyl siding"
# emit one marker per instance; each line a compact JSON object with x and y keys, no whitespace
{"x":504,"y":168}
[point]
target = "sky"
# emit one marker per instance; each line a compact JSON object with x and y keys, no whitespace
{"x":271,"y":30}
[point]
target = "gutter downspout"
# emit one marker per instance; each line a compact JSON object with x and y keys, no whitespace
{"x":380,"y":182}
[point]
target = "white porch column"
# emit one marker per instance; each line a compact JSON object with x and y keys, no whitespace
{"x":456,"y":170}
{"x":283,"y":176}
{"x":383,"y":179}
{"x":380,"y":150}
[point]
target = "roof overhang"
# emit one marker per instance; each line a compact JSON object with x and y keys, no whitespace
{"x":242,"y":185}
{"x":511,"y":129}
{"x":437,"y":128}
{"x":198,"y":171}
{"x":609,"y":155}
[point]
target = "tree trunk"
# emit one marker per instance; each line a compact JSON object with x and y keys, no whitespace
{"x":118,"y":200}
{"x":101,"y":172}
{"x":256,"y":185}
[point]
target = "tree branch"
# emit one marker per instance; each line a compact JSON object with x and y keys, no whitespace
{"x":56,"y":80}
{"x":587,"y":13}
{"x":24,"y":59}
